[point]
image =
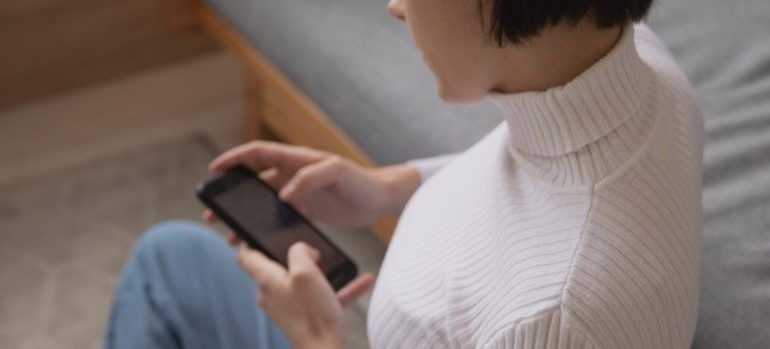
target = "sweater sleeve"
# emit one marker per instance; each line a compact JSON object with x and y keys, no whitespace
{"x":428,"y":166}
{"x":549,"y":330}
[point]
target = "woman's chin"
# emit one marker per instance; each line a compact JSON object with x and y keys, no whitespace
{"x":457,"y":96}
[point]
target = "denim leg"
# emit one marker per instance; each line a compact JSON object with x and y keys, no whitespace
{"x":182,"y":288}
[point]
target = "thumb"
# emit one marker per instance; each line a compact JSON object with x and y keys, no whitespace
{"x":265,"y":272}
{"x":303,"y":257}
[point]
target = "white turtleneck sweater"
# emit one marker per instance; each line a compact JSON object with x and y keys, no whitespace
{"x":573,"y":224}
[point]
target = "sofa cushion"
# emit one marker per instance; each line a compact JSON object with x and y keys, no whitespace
{"x":361,"y":67}
{"x":724,"y":48}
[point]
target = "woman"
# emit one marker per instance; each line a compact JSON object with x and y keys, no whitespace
{"x":574,"y":224}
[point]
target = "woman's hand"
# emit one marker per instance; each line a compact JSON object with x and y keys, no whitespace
{"x":300,"y":300}
{"x":322,"y":185}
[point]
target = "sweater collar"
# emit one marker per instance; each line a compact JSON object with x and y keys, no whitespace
{"x":565,"y":118}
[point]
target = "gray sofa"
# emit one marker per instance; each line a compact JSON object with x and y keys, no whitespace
{"x":360,"y":66}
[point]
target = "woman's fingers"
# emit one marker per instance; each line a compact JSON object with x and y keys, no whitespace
{"x":266,"y":273}
{"x":311,"y":177}
{"x":303,"y":271}
{"x":208,"y":216}
{"x":211,"y":218}
{"x":261,"y":154}
{"x":273,"y":178}
{"x":303,"y":258}
{"x":355,"y":289}
{"x":233,"y":240}
{"x":303,"y":263}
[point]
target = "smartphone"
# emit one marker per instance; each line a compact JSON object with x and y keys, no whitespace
{"x":252,"y":209}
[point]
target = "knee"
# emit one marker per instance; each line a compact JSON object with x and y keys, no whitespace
{"x":173,"y":237}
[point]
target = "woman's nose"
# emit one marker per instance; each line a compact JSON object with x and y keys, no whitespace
{"x":396,"y":9}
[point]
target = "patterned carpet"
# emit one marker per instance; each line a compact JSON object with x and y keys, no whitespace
{"x":66,"y":235}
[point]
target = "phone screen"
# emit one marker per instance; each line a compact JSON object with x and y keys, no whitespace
{"x":274,"y":224}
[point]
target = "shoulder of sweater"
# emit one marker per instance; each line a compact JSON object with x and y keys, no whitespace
{"x":675,"y":104}
{"x":656,"y":55}
{"x":555,"y":327}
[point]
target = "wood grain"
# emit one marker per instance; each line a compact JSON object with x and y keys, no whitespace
{"x":52,"y":45}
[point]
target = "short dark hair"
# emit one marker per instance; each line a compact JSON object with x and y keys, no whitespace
{"x":517,"y":20}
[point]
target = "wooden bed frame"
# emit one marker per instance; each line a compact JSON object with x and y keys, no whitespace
{"x":273,"y":107}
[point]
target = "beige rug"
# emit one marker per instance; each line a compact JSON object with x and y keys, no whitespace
{"x":64,"y":238}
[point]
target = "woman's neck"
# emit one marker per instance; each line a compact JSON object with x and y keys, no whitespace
{"x":555,"y":57}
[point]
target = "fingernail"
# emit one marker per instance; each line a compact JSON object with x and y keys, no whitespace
{"x":285,"y":193}
{"x":314,"y":253}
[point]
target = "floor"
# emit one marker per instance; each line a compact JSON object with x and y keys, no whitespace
{"x":84,"y":173}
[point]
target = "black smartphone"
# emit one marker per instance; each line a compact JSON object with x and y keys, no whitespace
{"x":252,"y":209}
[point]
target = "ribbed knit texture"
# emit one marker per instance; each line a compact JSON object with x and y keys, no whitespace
{"x":573,"y":224}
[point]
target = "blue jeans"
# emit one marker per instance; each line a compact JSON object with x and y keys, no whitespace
{"x":182,"y":288}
